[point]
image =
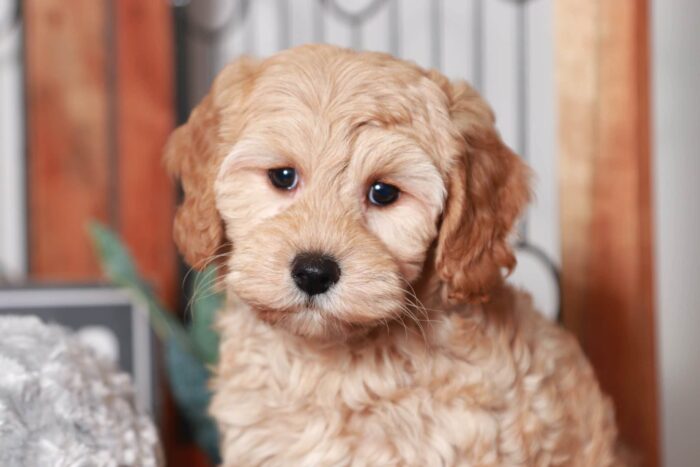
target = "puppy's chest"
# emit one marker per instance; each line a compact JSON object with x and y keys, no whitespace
{"x":393,"y":399}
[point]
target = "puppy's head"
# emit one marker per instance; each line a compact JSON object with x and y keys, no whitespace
{"x":331,"y":181}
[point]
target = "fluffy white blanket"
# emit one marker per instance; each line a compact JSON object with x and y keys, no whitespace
{"x":62,"y":405}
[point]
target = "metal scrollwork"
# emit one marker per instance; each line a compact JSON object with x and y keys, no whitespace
{"x":358,"y":17}
{"x":237,"y":14}
{"x":522,"y":47}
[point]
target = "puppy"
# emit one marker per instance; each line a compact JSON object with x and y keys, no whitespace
{"x":360,"y":208}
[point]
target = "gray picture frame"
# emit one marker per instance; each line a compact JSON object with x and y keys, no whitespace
{"x":79,"y":307}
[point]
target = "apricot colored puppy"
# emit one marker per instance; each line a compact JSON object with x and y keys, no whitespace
{"x":359,"y":208}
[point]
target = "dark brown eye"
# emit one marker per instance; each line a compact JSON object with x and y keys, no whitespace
{"x":382,"y":194}
{"x":284,"y":178}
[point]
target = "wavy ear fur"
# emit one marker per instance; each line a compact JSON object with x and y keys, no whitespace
{"x":488,"y":188}
{"x":194,"y":153}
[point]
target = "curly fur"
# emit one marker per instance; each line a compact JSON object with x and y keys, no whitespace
{"x":420,"y":354}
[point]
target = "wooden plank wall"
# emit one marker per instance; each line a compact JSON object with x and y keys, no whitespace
{"x":68,"y":135}
{"x":100,"y":108}
{"x":145,"y":117}
{"x":607,"y":270}
{"x":100,"y":84}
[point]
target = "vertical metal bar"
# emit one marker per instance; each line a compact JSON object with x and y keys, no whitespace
{"x":319,"y":26}
{"x":249,"y":28}
{"x":356,"y":34}
{"x":394,"y":28}
{"x":436,"y":33}
{"x":182,"y":90}
{"x":478,"y":45}
{"x":239,"y":15}
{"x":212,"y":64}
{"x":521,"y":38}
{"x":283,"y":8}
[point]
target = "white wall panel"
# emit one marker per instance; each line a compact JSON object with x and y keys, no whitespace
{"x":12,"y":179}
{"x":676,"y":169}
{"x":500,"y":62}
{"x":458,"y":35}
{"x":415,"y":32}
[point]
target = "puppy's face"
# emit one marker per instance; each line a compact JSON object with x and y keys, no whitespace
{"x":332,"y":175}
{"x":330,"y":219}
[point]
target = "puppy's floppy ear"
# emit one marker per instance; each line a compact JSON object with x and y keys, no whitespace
{"x":194,"y":153}
{"x":488,"y":188}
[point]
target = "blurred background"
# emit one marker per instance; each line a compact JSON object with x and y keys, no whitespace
{"x":601,"y":97}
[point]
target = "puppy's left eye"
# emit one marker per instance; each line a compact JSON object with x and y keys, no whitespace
{"x":284,"y":178}
{"x":382,"y":194}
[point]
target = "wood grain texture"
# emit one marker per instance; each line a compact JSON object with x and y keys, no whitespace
{"x":145,"y":118}
{"x":605,"y":192}
{"x":67,"y":129}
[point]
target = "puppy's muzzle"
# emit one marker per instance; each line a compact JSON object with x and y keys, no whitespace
{"x":314,"y":273}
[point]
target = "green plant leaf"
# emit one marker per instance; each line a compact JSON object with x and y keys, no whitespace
{"x":120,"y":268}
{"x":188,"y":378}
{"x":187,"y":353}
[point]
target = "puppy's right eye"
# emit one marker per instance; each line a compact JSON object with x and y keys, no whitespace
{"x":382,"y":194}
{"x":284,"y":178}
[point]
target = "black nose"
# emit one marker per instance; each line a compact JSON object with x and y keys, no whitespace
{"x":314,"y":273}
